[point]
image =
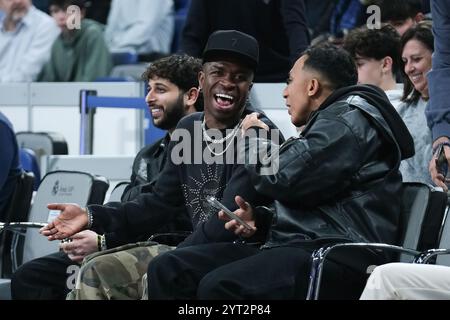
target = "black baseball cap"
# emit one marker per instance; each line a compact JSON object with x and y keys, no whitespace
{"x":232,"y":43}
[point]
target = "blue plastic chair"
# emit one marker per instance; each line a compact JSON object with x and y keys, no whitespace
{"x":29,"y":163}
{"x":124,"y":58}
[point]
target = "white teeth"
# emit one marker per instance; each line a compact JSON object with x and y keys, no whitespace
{"x":224,"y":96}
{"x":156,"y":110}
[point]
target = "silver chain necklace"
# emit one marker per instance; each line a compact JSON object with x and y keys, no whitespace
{"x":231,"y":135}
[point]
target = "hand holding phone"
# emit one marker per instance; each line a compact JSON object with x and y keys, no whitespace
{"x":216,"y":204}
{"x":441,"y":164}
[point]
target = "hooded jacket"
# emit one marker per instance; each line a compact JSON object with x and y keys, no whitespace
{"x":339,"y":180}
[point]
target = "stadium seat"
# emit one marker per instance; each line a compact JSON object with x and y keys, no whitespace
{"x":42,"y":143}
{"x":120,"y":58}
{"x":442,"y":253}
{"x":17,"y":210}
{"x":56,"y":187}
{"x":422,"y":212}
{"x":116,"y":194}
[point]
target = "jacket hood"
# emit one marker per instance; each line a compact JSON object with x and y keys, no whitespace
{"x":376,"y":97}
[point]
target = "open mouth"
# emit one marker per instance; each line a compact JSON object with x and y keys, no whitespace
{"x":157,"y":112}
{"x":416,"y":77}
{"x":224,"y":101}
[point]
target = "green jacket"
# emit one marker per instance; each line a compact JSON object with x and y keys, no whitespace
{"x":83,"y":56}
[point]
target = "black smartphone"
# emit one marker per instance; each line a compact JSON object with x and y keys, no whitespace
{"x":442,"y":163}
{"x":216,"y":204}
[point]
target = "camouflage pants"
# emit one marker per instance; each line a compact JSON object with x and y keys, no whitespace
{"x":116,"y":273}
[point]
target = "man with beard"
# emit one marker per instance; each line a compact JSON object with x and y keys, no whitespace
{"x":172,"y":94}
{"x":201,"y":164}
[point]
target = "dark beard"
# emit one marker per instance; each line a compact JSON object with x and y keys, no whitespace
{"x":172,"y":115}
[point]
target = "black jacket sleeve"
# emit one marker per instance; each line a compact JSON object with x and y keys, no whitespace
{"x":213,"y":230}
{"x":313,"y":170}
{"x":148,"y":212}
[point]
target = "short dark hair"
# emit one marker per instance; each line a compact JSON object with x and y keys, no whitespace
{"x":182,"y":70}
{"x":423,"y":33}
{"x":66,"y":3}
{"x":398,"y":10}
{"x":375,"y":44}
{"x":333,"y":63}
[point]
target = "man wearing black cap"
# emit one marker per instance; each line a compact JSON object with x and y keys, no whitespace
{"x":339,"y":181}
{"x":201,"y":163}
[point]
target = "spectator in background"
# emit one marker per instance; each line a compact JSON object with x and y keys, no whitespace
{"x":140,"y":26}
{"x":279,"y":26}
{"x":403,"y":281}
{"x":401,"y":14}
{"x":318,"y":14}
{"x":438,"y":111}
{"x":10,"y":167}
{"x":77,"y":54}
{"x":26,"y":37}
{"x":336,"y":20}
{"x":417,"y":49}
{"x":347,"y":15}
{"x":377,"y":54}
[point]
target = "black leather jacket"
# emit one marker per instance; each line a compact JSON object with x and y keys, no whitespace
{"x":338,"y":181}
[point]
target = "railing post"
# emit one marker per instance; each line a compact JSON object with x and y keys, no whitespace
{"x":87,"y":123}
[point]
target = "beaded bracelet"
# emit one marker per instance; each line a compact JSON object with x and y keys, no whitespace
{"x":99,"y":242}
{"x":103,"y":243}
{"x":90,"y":217}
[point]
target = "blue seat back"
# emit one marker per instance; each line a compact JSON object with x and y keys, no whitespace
{"x":124,"y":58}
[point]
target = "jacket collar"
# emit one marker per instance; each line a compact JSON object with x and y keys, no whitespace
{"x":378,"y":99}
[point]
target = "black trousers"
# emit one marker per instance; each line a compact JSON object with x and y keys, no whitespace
{"x":236,"y":271}
{"x":46,"y":278}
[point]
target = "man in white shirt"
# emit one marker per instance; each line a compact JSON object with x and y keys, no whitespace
{"x":140,"y":26}
{"x":26,"y":37}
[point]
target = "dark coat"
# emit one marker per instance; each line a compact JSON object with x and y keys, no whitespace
{"x":340,"y":179}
